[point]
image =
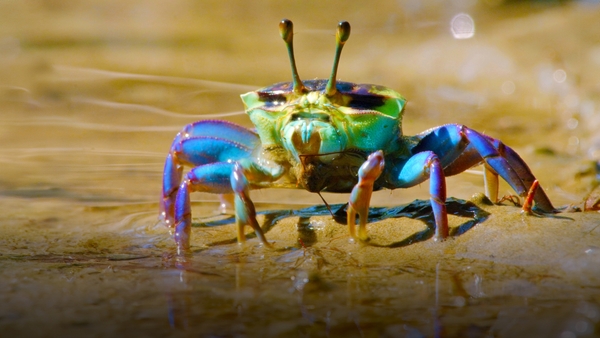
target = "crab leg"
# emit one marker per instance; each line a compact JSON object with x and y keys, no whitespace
{"x":245,"y":213}
{"x":418,"y":168}
{"x":490,"y":179}
{"x":460,"y":148}
{"x":517,"y":164}
{"x":221,"y":178}
{"x":213,"y":178}
{"x":200,"y":143}
{"x":360,"y":197}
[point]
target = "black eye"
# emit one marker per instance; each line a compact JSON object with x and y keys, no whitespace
{"x":370,"y":101}
{"x":272,"y":99}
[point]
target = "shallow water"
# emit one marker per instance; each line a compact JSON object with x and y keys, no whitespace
{"x":93,"y":93}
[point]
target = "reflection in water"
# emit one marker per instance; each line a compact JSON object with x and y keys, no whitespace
{"x":325,"y":306}
{"x":178,"y":300}
{"x":437,"y":324}
{"x":419,"y":210}
{"x":306,"y":233}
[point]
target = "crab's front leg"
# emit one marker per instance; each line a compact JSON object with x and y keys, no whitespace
{"x":360,"y":197}
{"x":415,"y":170}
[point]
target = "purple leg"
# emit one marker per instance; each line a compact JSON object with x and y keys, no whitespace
{"x":525,"y":174}
{"x":221,"y":178}
{"x":201,"y":143}
{"x":212,"y":178}
{"x":417,"y":169}
{"x":459,"y":148}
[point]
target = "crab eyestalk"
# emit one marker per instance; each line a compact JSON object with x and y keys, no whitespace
{"x":286,"y":30}
{"x":343,"y":33}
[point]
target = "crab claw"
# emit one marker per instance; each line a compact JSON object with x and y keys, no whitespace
{"x":360,"y":197}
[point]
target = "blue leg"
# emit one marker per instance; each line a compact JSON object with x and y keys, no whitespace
{"x":212,"y":178}
{"x":418,"y":168}
{"x":219,"y":129}
{"x":245,"y":213}
{"x":516,"y":163}
{"x":221,"y":178}
{"x":459,"y":148}
{"x":200,"y":143}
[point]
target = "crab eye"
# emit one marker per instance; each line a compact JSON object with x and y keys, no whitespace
{"x":272,"y":99}
{"x":366,"y":101}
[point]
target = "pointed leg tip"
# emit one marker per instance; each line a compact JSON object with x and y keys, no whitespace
{"x":358,"y":240}
{"x":442,"y":230}
{"x":363,"y":236}
{"x":440,"y":238}
{"x":241,"y":240}
{"x":442,"y":234}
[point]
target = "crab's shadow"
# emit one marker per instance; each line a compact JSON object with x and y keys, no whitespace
{"x":418,"y":209}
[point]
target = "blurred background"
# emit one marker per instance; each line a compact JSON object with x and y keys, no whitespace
{"x":93,"y":92}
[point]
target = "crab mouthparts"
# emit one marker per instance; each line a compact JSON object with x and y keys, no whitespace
{"x":306,"y":138}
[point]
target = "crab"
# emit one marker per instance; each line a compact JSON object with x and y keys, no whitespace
{"x":325,"y":135}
